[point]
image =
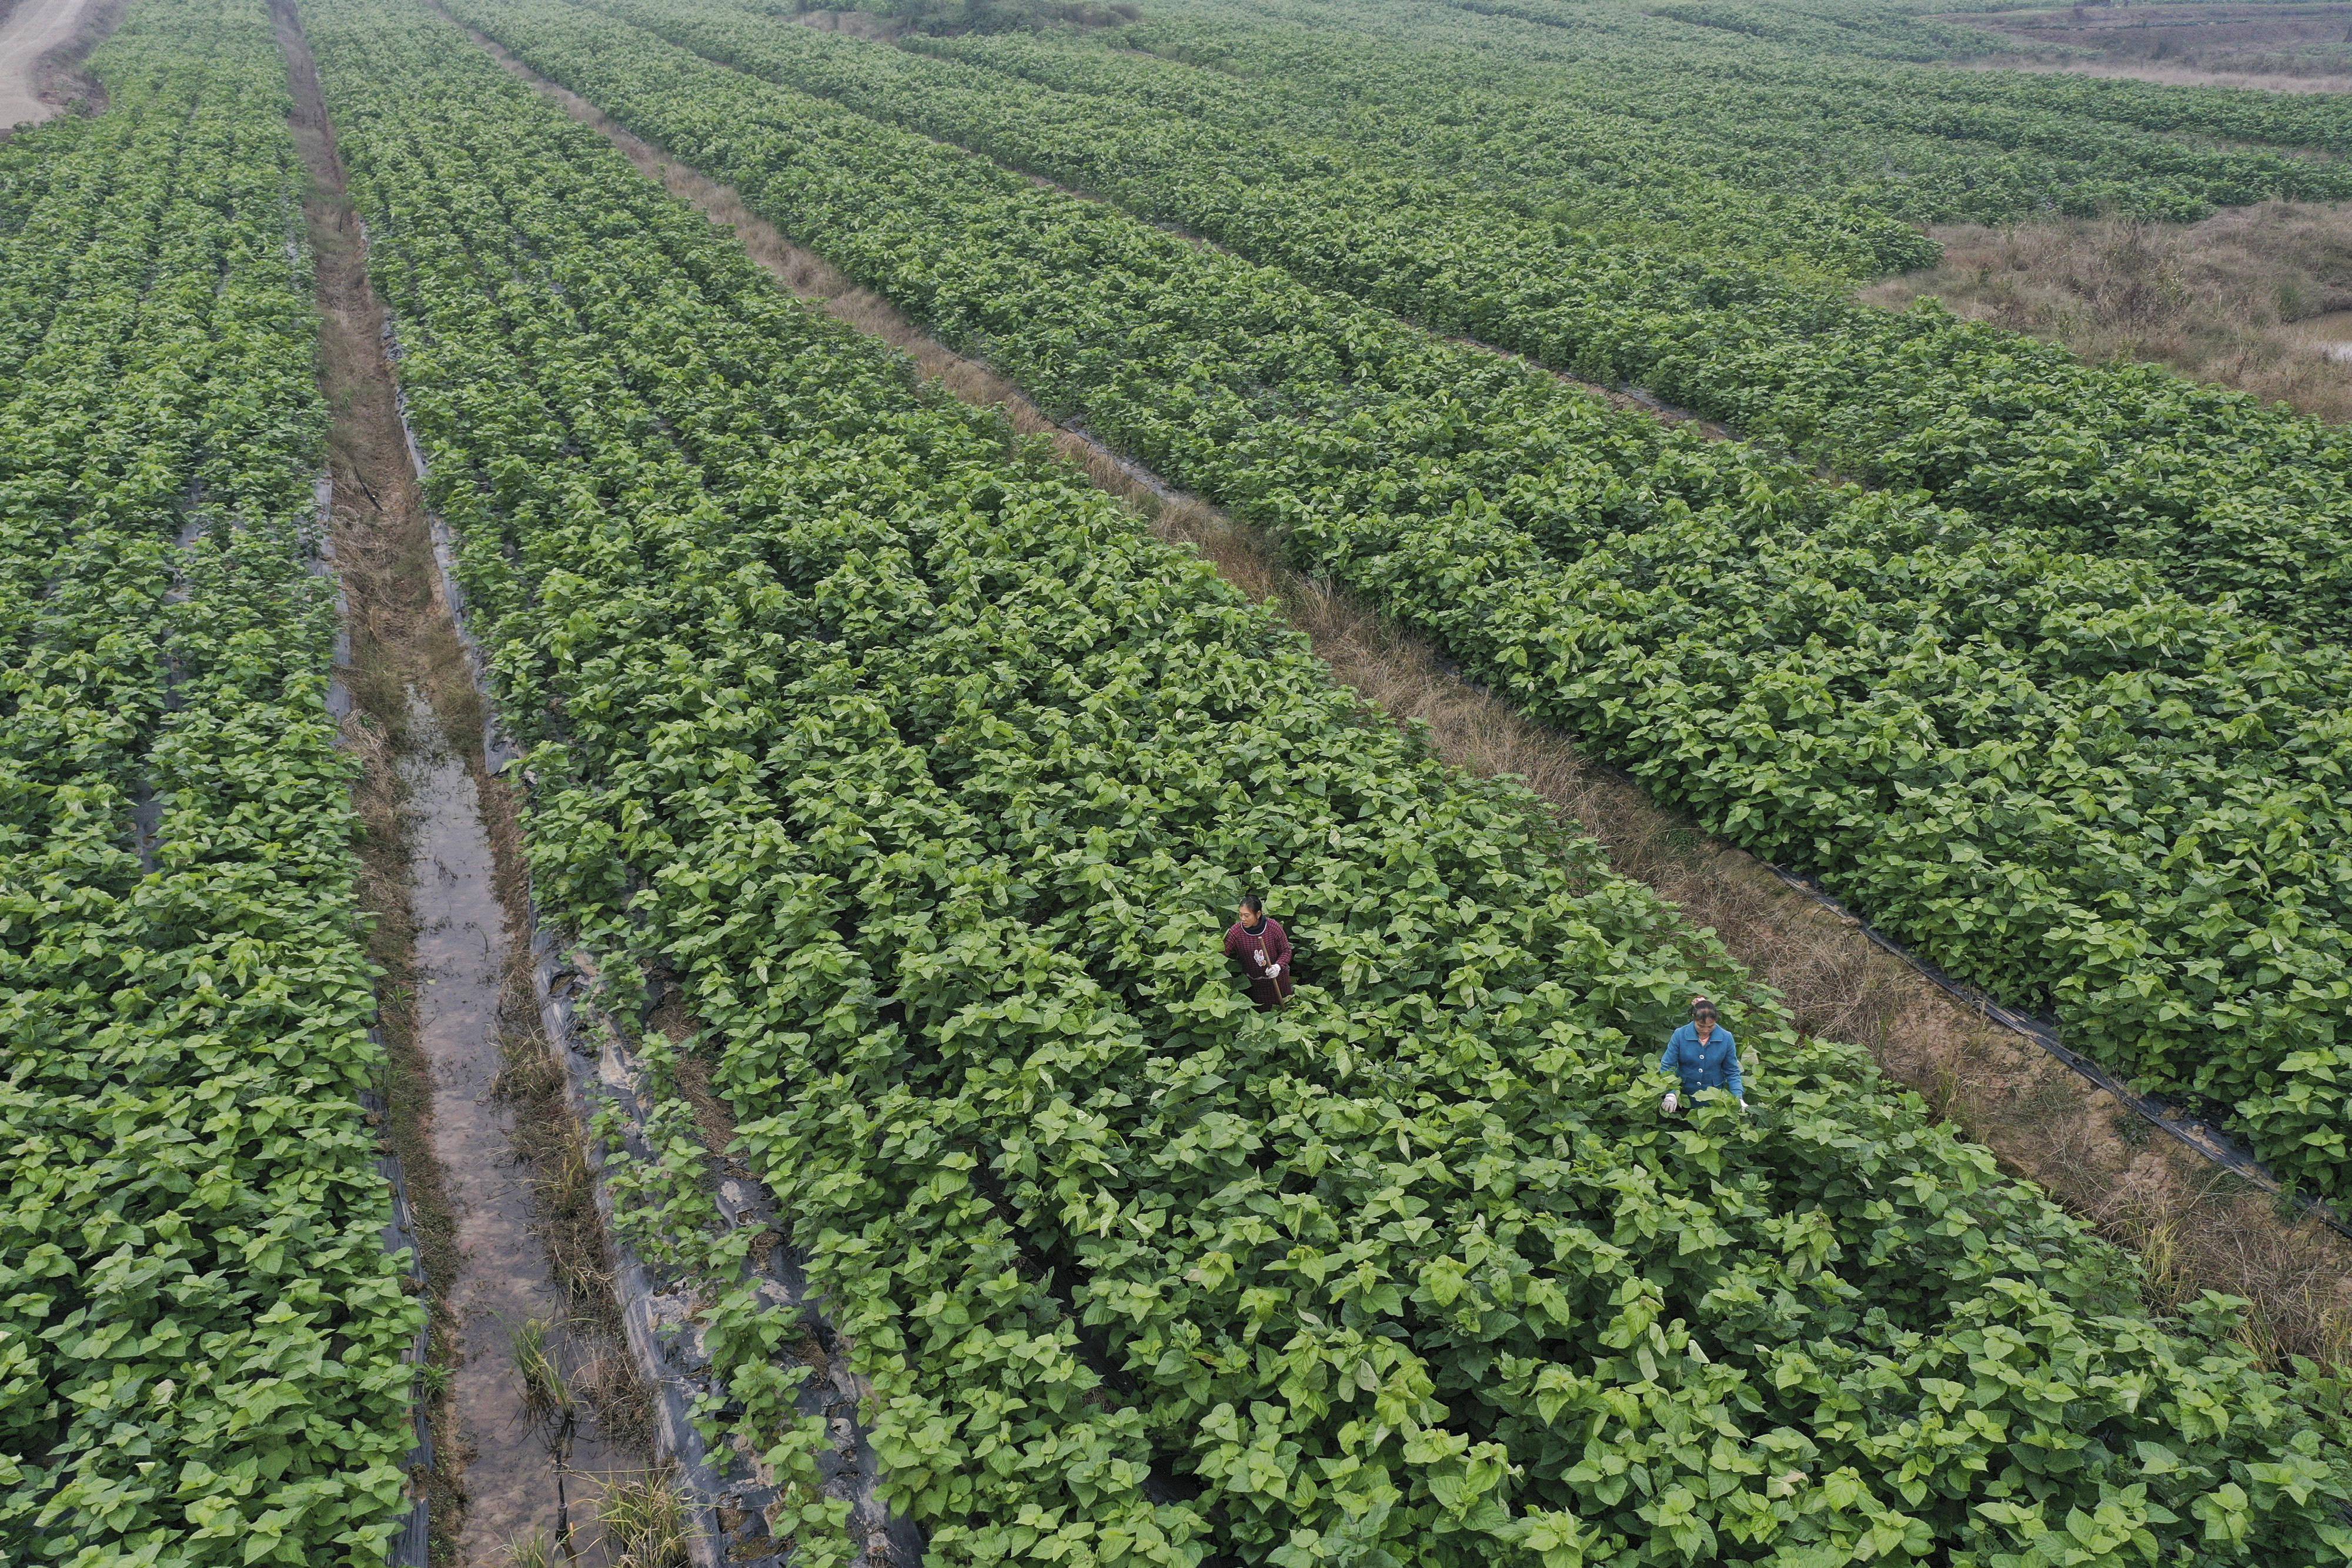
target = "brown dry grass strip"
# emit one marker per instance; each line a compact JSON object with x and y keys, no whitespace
{"x":2195,"y":1227}
{"x":2267,"y":47}
{"x":2257,"y":299}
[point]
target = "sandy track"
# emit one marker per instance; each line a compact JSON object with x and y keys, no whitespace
{"x":32,"y":30}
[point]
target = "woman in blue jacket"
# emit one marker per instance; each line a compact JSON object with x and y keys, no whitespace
{"x":1703,"y":1055}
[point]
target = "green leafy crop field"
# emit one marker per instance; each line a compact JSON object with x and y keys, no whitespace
{"x":2057,"y":773}
{"x":926,"y":778}
{"x":1710,"y":287}
{"x":930,"y":776}
{"x":201,"y":1337}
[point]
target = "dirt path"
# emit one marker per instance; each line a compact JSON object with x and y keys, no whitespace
{"x":32,"y":33}
{"x":539,"y":1411}
{"x":2195,"y":1227}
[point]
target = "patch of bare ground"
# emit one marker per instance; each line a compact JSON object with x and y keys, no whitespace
{"x":416,"y":727}
{"x":852,"y":24}
{"x":42,"y":46}
{"x":952,"y":17}
{"x":2254,"y":298}
{"x":2272,"y":47}
{"x":2195,"y":1227}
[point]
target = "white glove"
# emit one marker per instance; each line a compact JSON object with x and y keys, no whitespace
{"x":1672,"y":1100}
{"x":1273,"y":971}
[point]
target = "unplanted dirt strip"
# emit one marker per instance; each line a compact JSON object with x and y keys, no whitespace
{"x":515,"y":1487}
{"x":522,"y":1467}
{"x":35,"y":32}
{"x":2197,"y":1227}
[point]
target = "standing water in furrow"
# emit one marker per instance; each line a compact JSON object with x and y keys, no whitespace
{"x":534,"y":1422}
{"x":531,"y":1445}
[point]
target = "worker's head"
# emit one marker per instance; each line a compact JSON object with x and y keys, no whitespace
{"x":1702,"y":1010}
{"x":1252,"y":908}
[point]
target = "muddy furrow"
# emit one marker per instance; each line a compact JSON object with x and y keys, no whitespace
{"x":522,"y":1456}
{"x":2196,"y":1226}
{"x":531,"y":1425}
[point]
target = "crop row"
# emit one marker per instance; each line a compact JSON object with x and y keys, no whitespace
{"x":2056,"y":777}
{"x":1768,"y":97}
{"x":201,"y":1338}
{"x":931,"y":776}
{"x":1648,"y":93}
{"x":1835,"y":61}
{"x":2231,"y":501}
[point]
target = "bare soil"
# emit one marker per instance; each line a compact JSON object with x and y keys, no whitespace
{"x":2164,"y":73}
{"x":2194,"y":1225}
{"x":854,"y":24}
{"x":485,"y":1150}
{"x":41,"y":43}
{"x":2252,"y":298}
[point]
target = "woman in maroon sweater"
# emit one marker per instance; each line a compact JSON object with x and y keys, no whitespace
{"x":1262,"y":948}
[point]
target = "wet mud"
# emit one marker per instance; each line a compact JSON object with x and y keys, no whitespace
{"x":529,"y":1468}
{"x":524,"y":1448}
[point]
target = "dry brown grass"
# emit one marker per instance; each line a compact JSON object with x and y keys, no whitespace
{"x":2043,"y":1122}
{"x":555,"y":1168}
{"x":714,"y":1124}
{"x":852,"y":23}
{"x":2265,"y":75}
{"x":2272,"y":47}
{"x":2252,"y":298}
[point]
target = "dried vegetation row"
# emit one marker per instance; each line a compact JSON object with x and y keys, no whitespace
{"x":2257,"y":299}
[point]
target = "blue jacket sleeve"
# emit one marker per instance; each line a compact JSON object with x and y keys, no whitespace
{"x":1667,"y":1057}
{"x":1731,"y":1071}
